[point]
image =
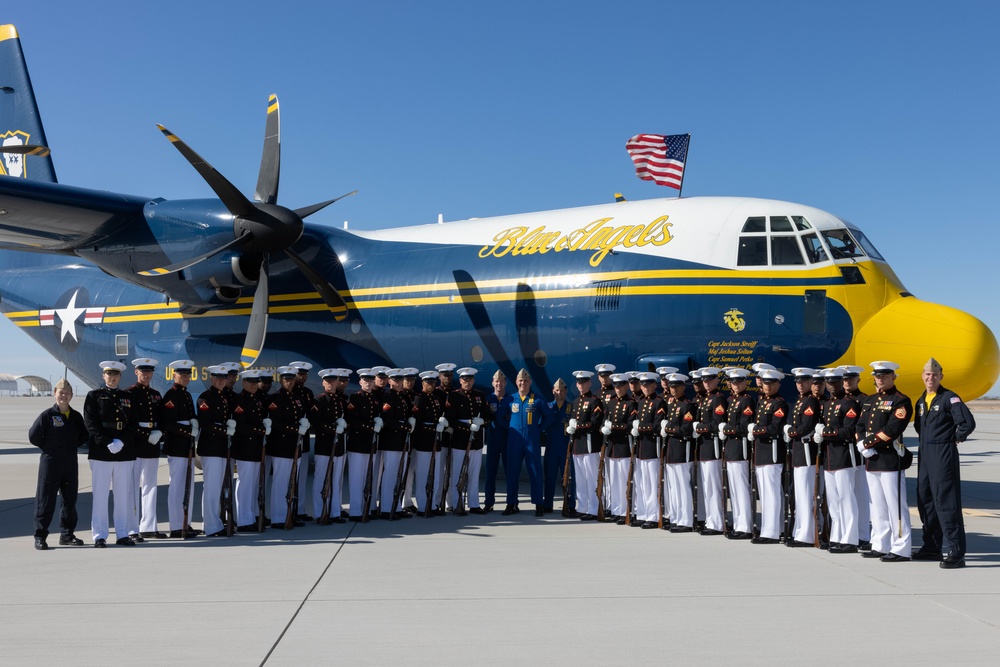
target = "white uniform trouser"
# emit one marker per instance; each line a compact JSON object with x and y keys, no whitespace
{"x":144,"y":473}
{"x":391,"y":461}
{"x":864,"y":504}
{"x":739,"y":495}
{"x":805,"y":496}
{"x":646,"y":494}
{"x":303,"y":479}
{"x":843,"y":506}
{"x":213,"y":469}
{"x":679,"y":486}
{"x":770,"y":492}
{"x":357,"y":471}
{"x":245,"y":496}
{"x":422,"y":462}
{"x":108,"y":477}
{"x":281,"y":474}
{"x":585,"y":469}
{"x":322,"y":464}
{"x":617,"y":483}
{"x":710,"y":488}
{"x":887,"y":493}
{"x":475,"y":462}
{"x":178,"y":465}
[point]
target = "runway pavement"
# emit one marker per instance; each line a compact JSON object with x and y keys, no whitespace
{"x":484,"y":590}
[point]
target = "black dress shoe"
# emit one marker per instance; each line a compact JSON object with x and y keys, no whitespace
{"x":249,"y":528}
{"x":385,"y":516}
{"x":137,"y":538}
{"x":461,"y":513}
{"x":281,"y":525}
{"x":157,"y":534}
{"x":539,"y":510}
{"x":124,"y":542}
{"x":952,"y":562}
{"x":843,"y":548}
{"x":893,"y":558}
{"x":547,"y":509}
{"x":218,"y":533}
{"x":620,"y":521}
{"x":872,"y":554}
{"x":646,"y":525}
{"x":764,"y":540}
{"x":192,"y":532}
{"x":412,"y":509}
{"x":928,"y":555}
{"x":41,"y":544}
{"x":100,"y":544}
{"x":510,"y":509}
{"x":587,"y":517}
{"x":709,"y":531}
{"x":338,"y":519}
{"x":303,"y":517}
{"x":571,"y":514}
{"x":439,"y":511}
{"x":354,"y":518}
{"x":682,"y":529}
{"x":864,"y":545}
{"x":477,"y":510}
{"x":487,"y":509}
{"x":70,"y":540}
{"x":798,"y":544}
{"x":739,"y":535}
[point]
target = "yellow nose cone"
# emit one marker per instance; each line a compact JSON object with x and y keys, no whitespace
{"x":910,"y":331}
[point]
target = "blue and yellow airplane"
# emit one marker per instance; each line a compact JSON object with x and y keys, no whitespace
{"x":688,"y":282}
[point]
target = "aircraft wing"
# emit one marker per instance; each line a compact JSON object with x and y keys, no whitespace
{"x":50,"y":217}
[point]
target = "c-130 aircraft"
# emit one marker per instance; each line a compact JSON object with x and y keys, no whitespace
{"x":686,"y":282}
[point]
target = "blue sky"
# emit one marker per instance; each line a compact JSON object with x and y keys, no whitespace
{"x":881,"y":113}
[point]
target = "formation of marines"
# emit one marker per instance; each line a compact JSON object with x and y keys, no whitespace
{"x":639,"y":450}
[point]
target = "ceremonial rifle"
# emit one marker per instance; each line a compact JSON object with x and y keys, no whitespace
{"x":401,"y":471}
{"x":601,"y":512}
{"x":227,"y":490}
{"x":694,"y":477}
{"x":261,"y":483}
{"x":630,"y":485}
{"x":447,"y":476}
{"x":566,"y":473}
{"x":292,"y":496}
{"x":327,"y":493}
{"x":721,"y":448}
{"x":752,"y":467}
{"x":660,"y":452}
{"x":429,"y":487}
{"x":817,"y":501}
{"x":188,"y":480}
{"x":789,"y":499}
{"x":463,"y":477}
{"x":369,"y":480}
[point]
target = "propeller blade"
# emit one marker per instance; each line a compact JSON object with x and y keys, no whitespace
{"x":309,"y":210}
{"x":327,"y":292}
{"x":257,"y":329}
{"x":183,"y":264}
{"x":27,"y":149}
{"x":234,"y":200}
{"x":270,"y":159}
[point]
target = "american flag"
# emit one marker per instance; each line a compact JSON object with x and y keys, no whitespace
{"x":659,"y":158}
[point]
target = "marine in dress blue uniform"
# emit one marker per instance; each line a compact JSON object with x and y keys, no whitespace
{"x":584,"y":429}
{"x":766,"y":433}
{"x":146,"y":403}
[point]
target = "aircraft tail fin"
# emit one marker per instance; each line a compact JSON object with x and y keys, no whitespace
{"x":24,"y":151}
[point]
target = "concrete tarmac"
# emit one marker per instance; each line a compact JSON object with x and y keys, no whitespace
{"x":484,"y":590}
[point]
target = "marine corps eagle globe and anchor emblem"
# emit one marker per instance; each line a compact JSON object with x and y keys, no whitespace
{"x":733,"y":319}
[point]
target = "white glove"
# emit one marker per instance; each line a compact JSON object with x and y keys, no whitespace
{"x":868,"y":453}
{"x":695,"y":427}
{"x":377,"y":424}
{"x":303,"y":426}
{"x":572,"y":425}
{"x":663,"y":428}
{"x":231,"y":427}
{"x":154,"y":437}
{"x":750,"y":428}
{"x":635,"y":430}
{"x":440,"y":425}
{"x":787,"y":431}
{"x":607,"y":423}
{"x":861,"y":446}
{"x":195,"y":429}
{"x":606,"y":429}
{"x":478,"y":421}
{"x":115,"y":446}
{"x":341,"y":425}
{"x":443,"y":421}
{"x":722,"y":436}
{"x":818,"y":434}
{"x":635,"y":423}
{"x":412,"y":421}
{"x":473,"y":426}
{"x":267,"y":426}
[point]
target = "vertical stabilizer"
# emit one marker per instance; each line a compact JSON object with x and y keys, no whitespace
{"x":24,"y":151}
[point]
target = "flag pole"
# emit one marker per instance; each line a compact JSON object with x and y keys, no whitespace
{"x":684,"y":173}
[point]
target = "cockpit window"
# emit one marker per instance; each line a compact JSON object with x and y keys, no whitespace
{"x":755,"y":225}
{"x":814,"y":249}
{"x":801,"y":224}
{"x":842,"y":245}
{"x":753,"y":251}
{"x":785,"y":251}
{"x":866,"y":244}
{"x":780,"y":223}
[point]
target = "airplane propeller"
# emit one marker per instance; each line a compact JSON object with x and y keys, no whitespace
{"x":261,"y":226}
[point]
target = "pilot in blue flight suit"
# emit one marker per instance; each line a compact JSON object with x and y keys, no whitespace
{"x":527,"y":415}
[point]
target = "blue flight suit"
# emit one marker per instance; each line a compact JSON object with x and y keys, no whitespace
{"x":496,"y":446}
{"x":526,"y":418}
{"x":556,"y":442}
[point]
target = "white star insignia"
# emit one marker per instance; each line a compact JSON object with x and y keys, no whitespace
{"x":68,"y":316}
